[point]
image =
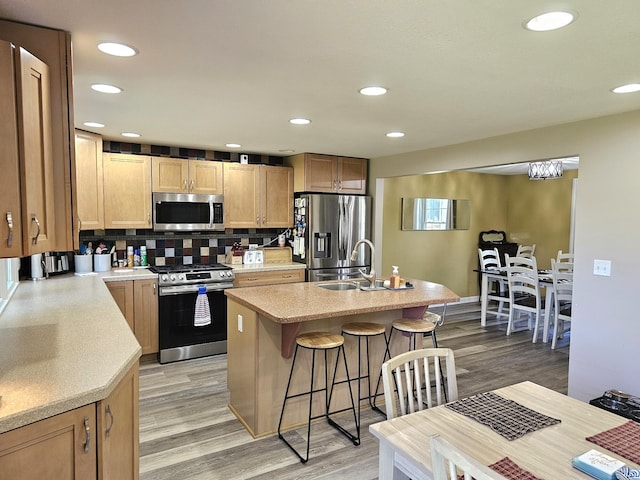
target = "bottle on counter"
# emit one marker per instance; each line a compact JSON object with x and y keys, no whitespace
{"x":143,"y":256}
{"x":130,"y":257}
{"x":394,"y":281}
{"x":136,"y":258}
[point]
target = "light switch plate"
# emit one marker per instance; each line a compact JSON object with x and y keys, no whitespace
{"x":602,"y":267}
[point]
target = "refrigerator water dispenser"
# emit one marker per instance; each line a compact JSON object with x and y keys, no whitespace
{"x":321,"y":244}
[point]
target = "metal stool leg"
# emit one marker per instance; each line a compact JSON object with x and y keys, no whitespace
{"x":354,"y":438}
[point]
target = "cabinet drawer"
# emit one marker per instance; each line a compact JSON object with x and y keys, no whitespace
{"x":269,"y":278}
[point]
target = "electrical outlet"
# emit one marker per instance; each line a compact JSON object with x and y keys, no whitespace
{"x":602,"y":267}
{"x":240,"y":323}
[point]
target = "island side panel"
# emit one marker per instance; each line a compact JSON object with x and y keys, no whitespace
{"x":272,"y":370}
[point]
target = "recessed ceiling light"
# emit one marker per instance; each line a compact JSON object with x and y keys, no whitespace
{"x":233,"y":145}
{"x":395,"y":134}
{"x":300,"y":121}
{"x":130,"y":134}
{"x":286,"y":150}
{"x":117,"y":49}
{"x":373,"y":91}
{"x":104,"y":88}
{"x":550,"y":21}
{"x":629,"y":88}
{"x":93,"y":124}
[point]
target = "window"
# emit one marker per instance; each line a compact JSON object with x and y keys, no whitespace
{"x":8,"y":279}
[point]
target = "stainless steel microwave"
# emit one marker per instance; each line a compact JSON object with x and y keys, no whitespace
{"x":187,"y":212}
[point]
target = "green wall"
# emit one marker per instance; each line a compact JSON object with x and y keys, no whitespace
{"x":530,"y":212}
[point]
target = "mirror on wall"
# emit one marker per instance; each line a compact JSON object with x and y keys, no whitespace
{"x":435,"y":214}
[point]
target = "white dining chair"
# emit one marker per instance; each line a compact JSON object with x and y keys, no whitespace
{"x":494,"y":286}
{"x":524,"y":293}
{"x":526,"y":251}
{"x":417,"y":379}
{"x":562,"y":299}
{"x":451,"y":463}
{"x":566,"y":260}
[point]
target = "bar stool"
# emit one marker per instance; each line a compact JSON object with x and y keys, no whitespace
{"x":320,"y":341}
{"x":366,"y":330}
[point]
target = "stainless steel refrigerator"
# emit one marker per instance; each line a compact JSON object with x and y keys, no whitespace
{"x":326,"y":228}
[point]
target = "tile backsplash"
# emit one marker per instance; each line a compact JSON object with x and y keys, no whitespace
{"x":182,"y":249}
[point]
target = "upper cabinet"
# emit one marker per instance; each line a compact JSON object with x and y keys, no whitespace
{"x":26,"y":148}
{"x":127,"y":190}
{"x":328,"y":173}
{"x":88,"y":203}
{"x":257,"y":196}
{"x":174,"y":175}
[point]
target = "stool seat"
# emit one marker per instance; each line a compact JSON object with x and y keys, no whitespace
{"x":319,"y":340}
{"x":363,"y":329}
{"x":413,"y":325}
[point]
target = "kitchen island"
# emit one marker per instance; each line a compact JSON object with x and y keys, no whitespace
{"x":262,"y":324}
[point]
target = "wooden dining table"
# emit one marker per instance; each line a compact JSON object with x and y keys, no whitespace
{"x":546,"y":453}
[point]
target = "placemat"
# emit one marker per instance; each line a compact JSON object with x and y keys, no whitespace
{"x":623,"y":440}
{"x":503,"y":416}
{"x":510,"y":469}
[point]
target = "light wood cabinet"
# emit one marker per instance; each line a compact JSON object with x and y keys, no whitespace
{"x":118,"y":427}
{"x":174,"y":175}
{"x":27,"y":151}
{"x":138,"y":302}
{"x":88,"y":184}
{"x":145,"y":324}
{"x":127,"y":191}
{"x":328,"y":173}
{"x":271,"y":277}
{"x":258,"y":196}
{"x":61,"y":447}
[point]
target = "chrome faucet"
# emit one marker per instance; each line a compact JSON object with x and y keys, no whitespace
{"x":371,"y":276}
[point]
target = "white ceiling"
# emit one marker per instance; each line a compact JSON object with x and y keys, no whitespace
{"x":212,"y":72}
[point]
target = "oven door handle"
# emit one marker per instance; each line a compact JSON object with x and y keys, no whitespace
{"x":182,"y":289}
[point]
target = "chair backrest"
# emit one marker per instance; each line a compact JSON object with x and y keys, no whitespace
{"x":489,"y":259}
{"x":566,"y":260}
{"x":417,"y":379}
{"x":522,"y":275}
{"x":562,"y":289}
{"x":450,"y":463}
{"x":527,"y":251}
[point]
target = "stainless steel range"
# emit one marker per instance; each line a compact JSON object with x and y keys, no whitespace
{"x":181,"y":336}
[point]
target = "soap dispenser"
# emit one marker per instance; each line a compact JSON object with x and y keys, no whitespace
{"x":394,"y":281}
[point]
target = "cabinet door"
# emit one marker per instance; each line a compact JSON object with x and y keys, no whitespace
{"x":61,"y":447}
{"x":122,"y":293}
{"x":36,"y":156}
{"x":169,"y":175}
{"x":352,"y":175}
{"x":127,"y":191}
{"x":320,"y":173}
{"x":205,"y":177}
{"x":145,"y":326}
{"x":10,"y":212}
{"x":89,"y":182}
{"x":118,"y":431}
{"x":241,"y":199}
{"x":276,"y":190}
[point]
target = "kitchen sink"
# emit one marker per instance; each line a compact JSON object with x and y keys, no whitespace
{"x":339,"y":286}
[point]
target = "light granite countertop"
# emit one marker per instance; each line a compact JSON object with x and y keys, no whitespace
{"x":63,"y":344}
{"x":266,"y":267}
{"x":302,"y":302}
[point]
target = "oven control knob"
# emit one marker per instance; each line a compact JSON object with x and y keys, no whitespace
{"x":163,"y":278}
{"x":173,"y":278}
{"x":229,"y":273}
{"x":180,"y":277}
{"x":222,"y":274}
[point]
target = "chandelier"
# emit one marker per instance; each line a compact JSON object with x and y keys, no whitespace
{"x":545,"y":169}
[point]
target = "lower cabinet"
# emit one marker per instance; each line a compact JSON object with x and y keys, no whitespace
{"x":98,"y":441}
{"x":271,"y":277}
{"x":138,"y":302}
{"x":118,"y":427}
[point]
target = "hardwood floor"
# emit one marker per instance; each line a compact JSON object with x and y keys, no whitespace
{"x":188,"y":432}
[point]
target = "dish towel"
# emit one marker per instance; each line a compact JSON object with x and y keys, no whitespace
{"x":202,"y":315}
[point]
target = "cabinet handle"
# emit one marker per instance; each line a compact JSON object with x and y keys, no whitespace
{"x":87,"y":434}
{"x":335,"y":184}
{"x":149,"y":218}
{"x":10,"y":225}
{"x":287,"y":276}
{"x":154,"y":289}
{"x":107,"y":411}
{"x":339,"y":184}
{"x":193,"y":184}
{"x":257,"y":219}
{"x":184,"y":185}
{"x":264,"y":219}
{"x":34,"y":218}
